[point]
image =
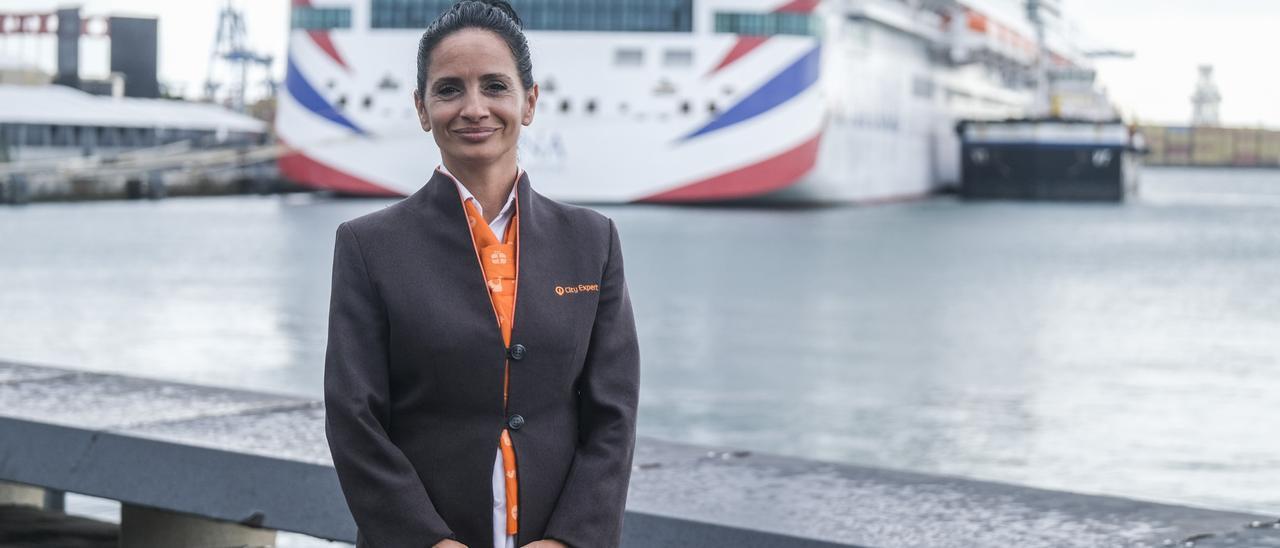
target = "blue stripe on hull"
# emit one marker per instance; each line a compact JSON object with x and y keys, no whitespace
{"x":311,"y":99}
{"x":792,"y":81}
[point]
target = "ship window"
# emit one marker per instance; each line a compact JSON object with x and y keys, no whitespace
{"x":37,"y":135}
{"x":564,"y":105}
{"x":368,"y":102}
{"x":677,"y":58}
{"x":767,"y":24}
{"x":108,"y":136}
{"x":628,"y":57}
{"x":85,"y":136}
{"x":556,"y":15}
{"x":8,"y":134}
{"x":684,"y":107}
{"x":63,"y":136}
{"x":309,"y":18}
{"x":591,"y":107}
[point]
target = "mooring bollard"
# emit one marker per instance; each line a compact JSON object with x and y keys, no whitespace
{"x":133,"y":189}
{"x":156,"y":188}
{"x":15,"y":190}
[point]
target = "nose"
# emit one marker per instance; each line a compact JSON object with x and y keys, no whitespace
{"x":474,"y":108}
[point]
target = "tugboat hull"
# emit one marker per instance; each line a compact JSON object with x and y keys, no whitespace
{"x":1047,"y":160}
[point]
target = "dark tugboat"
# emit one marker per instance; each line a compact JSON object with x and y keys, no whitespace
{"x":1073,"y":147}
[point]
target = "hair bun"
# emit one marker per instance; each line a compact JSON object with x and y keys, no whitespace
{"x":504,"y":7}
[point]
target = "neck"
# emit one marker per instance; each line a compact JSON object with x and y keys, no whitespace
{"x":489,"y":182}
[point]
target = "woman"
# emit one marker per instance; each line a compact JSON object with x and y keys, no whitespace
{"x":482,"y":368}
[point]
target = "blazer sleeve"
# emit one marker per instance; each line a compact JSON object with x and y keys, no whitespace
{"x":589,"y":511}
{"x":390,"y":506}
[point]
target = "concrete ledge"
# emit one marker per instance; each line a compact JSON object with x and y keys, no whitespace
{"x":14,"y":494}
{"x":261,"y":460}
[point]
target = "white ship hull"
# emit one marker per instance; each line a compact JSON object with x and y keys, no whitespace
{"x":862,"y":112}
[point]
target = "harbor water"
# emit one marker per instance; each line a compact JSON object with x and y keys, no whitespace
{"x":1099,"y":348}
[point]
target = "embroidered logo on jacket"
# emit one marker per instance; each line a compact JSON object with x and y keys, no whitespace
{"x":563,"y":290}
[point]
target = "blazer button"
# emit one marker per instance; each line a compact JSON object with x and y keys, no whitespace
{"x":514,"y":422}
{"x":516,"y":352}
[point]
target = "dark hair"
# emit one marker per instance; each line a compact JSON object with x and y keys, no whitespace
{"x":492,"y":15}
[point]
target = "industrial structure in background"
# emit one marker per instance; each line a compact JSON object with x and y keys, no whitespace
{"x":231,"y":60}
{"x":1206,"y":99}
{"x":1205,"y":142}
{"x":132,"y":53}
{"x":67,"y":136}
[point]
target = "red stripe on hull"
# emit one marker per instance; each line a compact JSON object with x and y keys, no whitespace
{"x":743,"y":46}
{"x":322,"y":39}
{"x":301,"y":169}
{"x":798,"y":6}
{"x":760,"y":178}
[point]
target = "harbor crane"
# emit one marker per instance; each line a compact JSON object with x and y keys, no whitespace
{"x":231,"y":58}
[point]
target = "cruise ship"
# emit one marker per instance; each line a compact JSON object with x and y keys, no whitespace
{"x":815,"y":101}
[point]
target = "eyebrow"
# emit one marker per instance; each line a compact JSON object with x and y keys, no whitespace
{"x":456,"y":80}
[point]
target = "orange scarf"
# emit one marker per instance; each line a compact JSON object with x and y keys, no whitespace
{"x":498,"y":261}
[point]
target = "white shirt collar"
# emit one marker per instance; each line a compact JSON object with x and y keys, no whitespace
{"x":467,"y":195}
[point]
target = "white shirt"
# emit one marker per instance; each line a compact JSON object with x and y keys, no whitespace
{"x":499,"y":226}
{"x":499,"y":223}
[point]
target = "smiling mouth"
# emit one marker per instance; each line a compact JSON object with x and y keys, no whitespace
{"x":476,"y":134}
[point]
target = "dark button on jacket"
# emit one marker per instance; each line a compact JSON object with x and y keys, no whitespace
{"x":516,"y":352}
{"x":515,"y":422}
{"x":414,"y":375}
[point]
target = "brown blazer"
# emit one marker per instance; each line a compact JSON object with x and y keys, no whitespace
{"x":414,"y":366}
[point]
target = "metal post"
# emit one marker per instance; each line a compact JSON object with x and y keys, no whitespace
{"x":55,"y":500}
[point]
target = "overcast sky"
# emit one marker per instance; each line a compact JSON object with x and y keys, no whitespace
{"x":1169,"y":37}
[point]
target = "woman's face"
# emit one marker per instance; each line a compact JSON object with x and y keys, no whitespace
{"x":473,"y":102}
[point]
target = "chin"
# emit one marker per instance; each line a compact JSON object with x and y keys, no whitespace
{"x":473,"y":154}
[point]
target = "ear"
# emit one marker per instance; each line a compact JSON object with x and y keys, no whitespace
{"x":419,"y":105}
{"x":531,"y":104}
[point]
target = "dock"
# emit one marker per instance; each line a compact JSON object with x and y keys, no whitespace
{"x":192,"y":462}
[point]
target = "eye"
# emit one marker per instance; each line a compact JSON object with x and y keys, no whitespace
{"x":447,"y":90}
{"x":495,"y":87}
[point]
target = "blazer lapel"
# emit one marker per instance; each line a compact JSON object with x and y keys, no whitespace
{"x":447,"y":221}
{"x":535,"y":262}
{"x":444,"y":225}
